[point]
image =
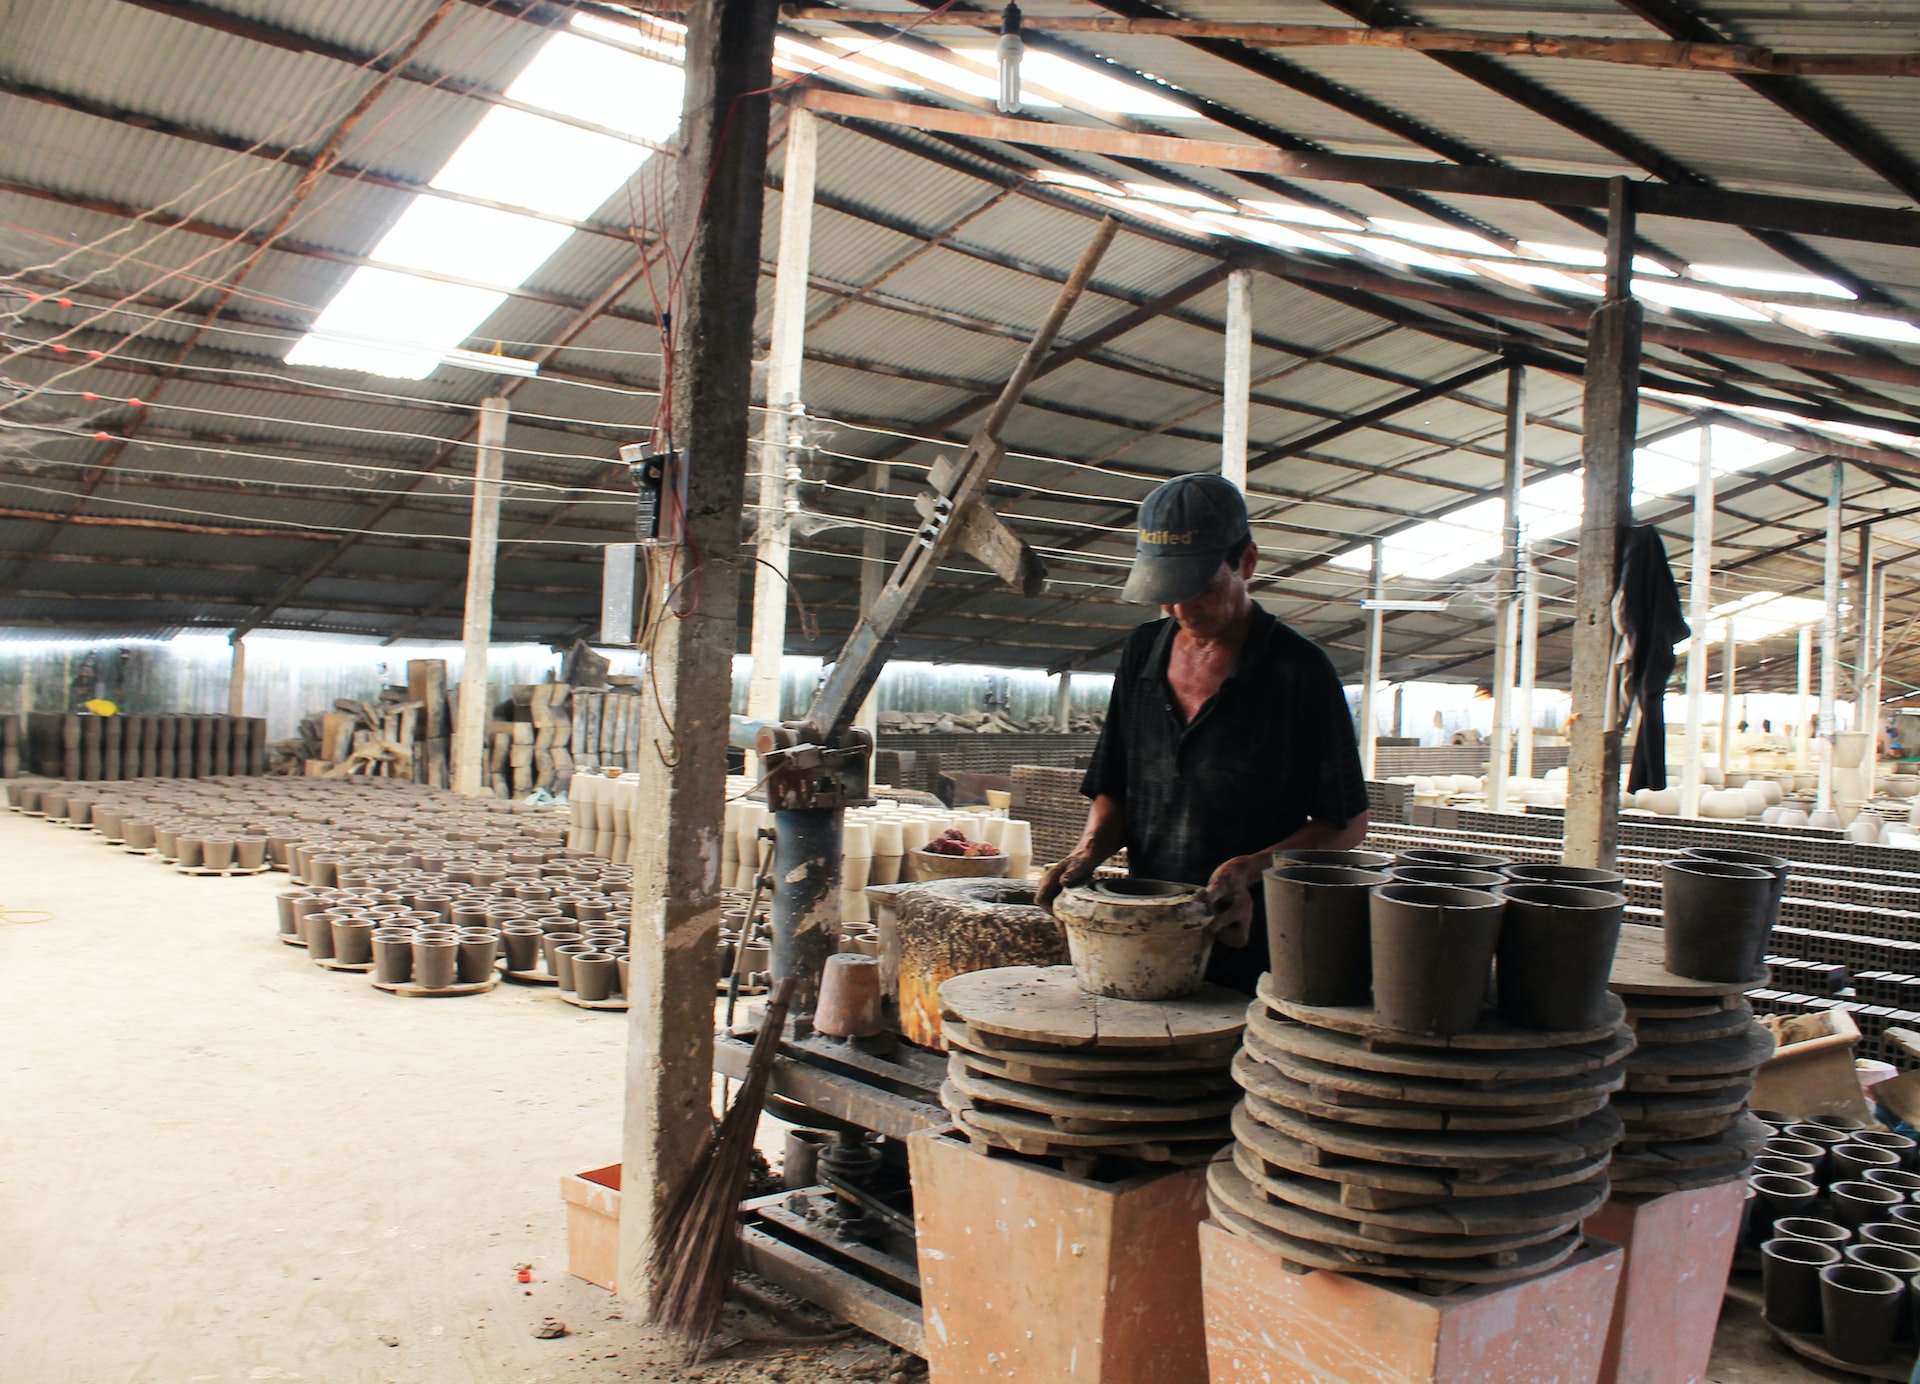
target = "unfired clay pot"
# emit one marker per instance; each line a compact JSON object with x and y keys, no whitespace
{"x":1716,"y":918}
{"x":1555,"y":955}
{"x":1137,"y":939}
{"x":594,"y":975}
{"x":1317,"y":933}
{"x":1433,"y":948}
{"x":436,"y":959}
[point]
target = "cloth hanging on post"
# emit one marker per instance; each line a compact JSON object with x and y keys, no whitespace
{"x":1647,"y":611}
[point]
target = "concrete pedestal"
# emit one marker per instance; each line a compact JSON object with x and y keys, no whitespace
{"x":1268,"y":1324}
{"x":1028,"y":1274}
{"x":1679,"y":1250}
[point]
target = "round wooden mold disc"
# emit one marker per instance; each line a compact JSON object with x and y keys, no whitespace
{"x":1485,"y":1068}
{"x":575,"y":1000}
{"x":1257,"y":1078}
{"x":1522,"y":1213}
{"x":1045,"y":1004}
{"x":1699,"y":1028}
{"x":1043,"y":1063}
{"x":1463,"y":1095}
{"x":1741,"y":1139}
{"x":1493,"y":1034}
{"x":1654,"y":1108}
{"x":1149,"y":1086}
{"x":1229,"y":1185}
{"x":1640,"y":968}
{"x":1656,"y":1085}
{"x":1281,"y":1155}
{"x":1641,"y":1007}
{"x":1741,"y":1052}
{"x":1085,"y":1114}
{"x":1596,"y":1134}
{"x":1020,"y":1127}
{"x":1897,"y":1367}
{"x":1633,"y":1183}
{"x":1042,"y":1144}
{"x":331,"y":964}
{"x":412,"y":991}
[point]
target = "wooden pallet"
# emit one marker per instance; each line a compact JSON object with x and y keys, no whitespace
{"x":412,"y":991}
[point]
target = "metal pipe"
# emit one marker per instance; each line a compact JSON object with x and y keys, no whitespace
{"x":1830,"y":636}
{"x":1376,"y":628}
{"x":1803,"y":682}
{"x":1530,"y":579}
{"x":1729,"y":661}
{"x":1504,"y":608}
{"x":806,"y":898}
{"x":1063,"y":700}
{"x":1236,"y":377}
{"x":1699,"y":603}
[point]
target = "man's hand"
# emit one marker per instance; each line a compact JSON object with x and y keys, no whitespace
{"x":1075,"y":870}
{"x":1230,"y":892}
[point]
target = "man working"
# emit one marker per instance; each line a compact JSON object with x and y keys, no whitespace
{"x":1227,"y":736}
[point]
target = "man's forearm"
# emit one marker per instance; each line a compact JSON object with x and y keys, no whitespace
{"x":1104,"y":834}
{"x":1314,"y":836}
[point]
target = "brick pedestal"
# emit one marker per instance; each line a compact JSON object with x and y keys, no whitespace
{"x":1679,"y":1250}
{"x":1028,"y":1274}
{"x":1267,"y":1324}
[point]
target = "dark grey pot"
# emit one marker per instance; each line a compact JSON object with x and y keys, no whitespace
{"x":1318,"y":937}
{"x":1716,"y":917}
{"x":1555,"y":954}
{"x":1433,"y":949}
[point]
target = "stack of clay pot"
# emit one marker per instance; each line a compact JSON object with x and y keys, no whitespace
{"x":1699,"y":1046}
{"x":1427,"y":1069}
{"x":1835,"y":1214}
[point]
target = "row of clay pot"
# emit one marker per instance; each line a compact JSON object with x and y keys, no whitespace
{"x":1419,"y":937}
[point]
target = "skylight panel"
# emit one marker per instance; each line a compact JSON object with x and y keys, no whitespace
{"x":1088,"y":85}
{"x":1444,"y":237}
{"x":1304,"y":215}
{"x":1079,"y":181}
{"x":526,"y":160}
{"x":1406,"y":254}
{"x":1267,"y":233}
{"x":796,"y":56}
{"x":1565,"y":254}
{"x":1770,"y":281}
{"x":1844,"y":323}
{"x":942,"y":71}
{"x":389,"y":323}
{"x":1178,"y":197}
{"x":494,"y":247}
{"x":589,"y":81}
{"x":1536,"y":276}
{"x":1673,"y":295}
{"x":1139,"y":206}
{"x":674,"y":49}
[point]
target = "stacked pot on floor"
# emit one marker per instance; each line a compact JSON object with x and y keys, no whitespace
{"x":1835,"y":1214}
{"x":1428,"y":1067}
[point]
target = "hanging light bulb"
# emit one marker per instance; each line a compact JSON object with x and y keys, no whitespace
{"x":1008,"y":50}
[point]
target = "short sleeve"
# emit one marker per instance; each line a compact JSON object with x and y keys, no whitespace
{"x":1107,"y":772}
{"x":1340,"y":788}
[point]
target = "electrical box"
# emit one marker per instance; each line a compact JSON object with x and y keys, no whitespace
{"x":660,"y":486}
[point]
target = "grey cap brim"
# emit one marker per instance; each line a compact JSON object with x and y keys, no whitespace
{"x":1169,"y":578}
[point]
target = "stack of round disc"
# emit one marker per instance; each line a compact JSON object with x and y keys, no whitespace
{"x":1039,"y":1066}
{"x":1689,"y":1080}
{"x":1469,"y":1159}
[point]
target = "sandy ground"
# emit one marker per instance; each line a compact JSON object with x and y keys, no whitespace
{"x":220,"y":1163}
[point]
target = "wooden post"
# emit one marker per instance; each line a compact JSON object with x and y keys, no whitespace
{"x":1236,"y":380}
{"x":236,"y":680}
{"x":1729,"y":662}
{"x":1829,"y":637}
{"x":772,"y":547}
{"x":1699,"y":602}
{"x":470,"y":732}
{"x":682,"y":754}
{"x":1369,"y":726}
{"x":1611,"y":410}
{"x":1530,"y":578}
{"x":1505,"y":608}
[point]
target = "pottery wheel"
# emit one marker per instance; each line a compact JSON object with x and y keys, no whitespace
{"x":1259,"y":1079}
{"x":1366,"y":1181}
{"x":1045,"y":1005}
{"x":1147,"y":1086}
{"x":1492,"y":1033}
{"x":1595,"y":1134}
{"x":1640,"y":968}
{"x":1487,"y":1068}
{"x":1085,"y":1114}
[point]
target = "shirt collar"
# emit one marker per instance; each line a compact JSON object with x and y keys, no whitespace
{"x":1260,"y":630}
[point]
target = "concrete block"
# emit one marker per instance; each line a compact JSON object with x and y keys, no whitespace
{"x":1679,"y":1249}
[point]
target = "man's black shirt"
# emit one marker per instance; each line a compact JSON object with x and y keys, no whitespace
{"x":1273,"y":748}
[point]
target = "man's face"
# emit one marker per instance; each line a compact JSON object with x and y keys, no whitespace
{"x":1214,"y":610}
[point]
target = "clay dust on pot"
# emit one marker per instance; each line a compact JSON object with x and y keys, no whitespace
{"x":1432,"y":948}
{"x":1137,"y":939}
{"x":1555,"y":955}
{"x":1318,"y":936}
{"x":1716,"y":917}
{"x":392,"y":956}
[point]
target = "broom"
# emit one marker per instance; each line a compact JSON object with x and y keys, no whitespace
{"x":696,"y":1238}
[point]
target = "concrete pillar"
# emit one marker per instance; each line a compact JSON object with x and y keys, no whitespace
{"x":1063,"y":700}
{"x":773,"y":535}
{"x":714,"y":226}
{"x":1803,"y":682}
{"x":470,"y":731}
{"x":1505,"y":607}
{"x":1830,"y":636}
{"x":1237,"y":377}
{"x":1399,"y":711}
{"x":1867,"y":709}
{"x":1699,"y":602}
{"x":1530,"y":579}
{"x":1376,"y":630}
{"x":237,"y":679}
{"x":1611,"y":411}
{"x":1729,"y":723}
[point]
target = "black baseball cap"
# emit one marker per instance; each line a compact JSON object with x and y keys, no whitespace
{"x":1186,"y":528}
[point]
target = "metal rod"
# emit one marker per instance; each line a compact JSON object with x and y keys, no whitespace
{"x":1376,"y":628}
{"x":1530,"y":579}
{"x":1699,"y":603}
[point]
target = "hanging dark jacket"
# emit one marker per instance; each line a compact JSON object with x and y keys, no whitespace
{"x":1649,"y":614}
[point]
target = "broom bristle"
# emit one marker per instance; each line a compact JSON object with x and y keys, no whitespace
{"x":696,"y":1238}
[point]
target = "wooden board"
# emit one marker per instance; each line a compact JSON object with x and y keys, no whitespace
{"x":1027,"y":1132}
{"x":1740,"y":1052}
{"x":1640,"y":968}
{"x":1898,"y":1367}
{"x":1258,"y":1079}
{"x":412,"y":991}
{"x":1705,"y":1027}
{"x":987,"y":1133}
{"x":609,"y":1004}
{"x":1493,"y":1033}
{"x":1597,"y":1133}
{"x":1041,"y":1065}
{"x":1168,"y":1086}
{"x":1331,"y":1082}
{"x":1086,"y":1114}
{"x":1045,"y":1004}
{"x":1486,"y":1066}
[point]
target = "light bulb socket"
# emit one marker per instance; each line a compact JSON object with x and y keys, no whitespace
{"x":1010,"y":20}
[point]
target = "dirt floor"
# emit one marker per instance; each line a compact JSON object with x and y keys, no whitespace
{"x":220,"y":1163}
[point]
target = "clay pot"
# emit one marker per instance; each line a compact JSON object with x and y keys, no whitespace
{"x":1890,"y":1233}
{"x":1555,"y":955}
{"x":189,"y":852}
{"x":1317,"y":932}
{"x":392,"y":956}
{"x":1349,"y":860}
{"x":436,"y":959}
{"x":1465,"y":860}
{"x":594,"y":975}
{"x":352,"y":940}
{"x":1904,"y":1215}
{"x":139,"y":834}
{"x":620,"y":961}
{"x":1860,"y":1310}
{"x":250,"y":852}
{"x":1850,"y":1160}
{"x":1137,"y":939}
{"x":1716,"y":916}
{"x":1456,"y":875}
{"x":1580,"y":876}
{"x":216,"y":852}
{"x":1907,"y":1149}
{"x":289,"y":920}
{"x":478,"y":949}
{"x":466,"y":915}
{"x":1860,"y":1203}
{"x":1811,"y":1228}
{"x":1772,"y":864}
{"x":317,"y":928}
{"x":1790,"y":1274}
{"x":522,"y":945}
{"x":849,"y":1005}
{"x":562,"y":958}
{"x":550,"y":942}
{"x":1432,"y":948}
{"x":922,"y":865}
{"x":1783,"y":1167}
{"x":1774,"y":1197}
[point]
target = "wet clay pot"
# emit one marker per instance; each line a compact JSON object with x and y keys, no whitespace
{"x":436,"y":959}
{"x":477,"y":950}
{"x":1783,"y":1167}
{"x":522,"y":945}
{"x":139,"y":834}
{"x":1555,"y":954}
{"x":1811,"y":1228}
{"x":289,"y":920}
{"x":1890,"y":1233}
{"x":563,"y":957}
{"x":1790,"y":1275}
{"x":1318,"y":935}
{"x":1137,"y":939}
{"x":1716,"y":917}
{"x":550,"y":944}
{"x":1861,"y":1203}
{"x":1432,"y":949}
{"x":317,"y":928}
{"x":594,"y":975}
{"x":1774,"y":1197}
{"x":849,"y":997}
{"x":352,"y":940}
{"x":189,"y":852}
{"x":1466,"y":860}
{"x":1902,"y":1263}
{"x":249,"y":852}
{"x":1907,"y":1149}
{"x":620,"y":962}
{"x":1351,"y":860}
{"x":1851,"y":1161}
{"x":1580,"y":876}
{"x":1860,"y":1307}
{"x":1772,"y":864}
{"x":392,"y":956}
{"x":1457,"y":875}
{"x":1908,"y":1214}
